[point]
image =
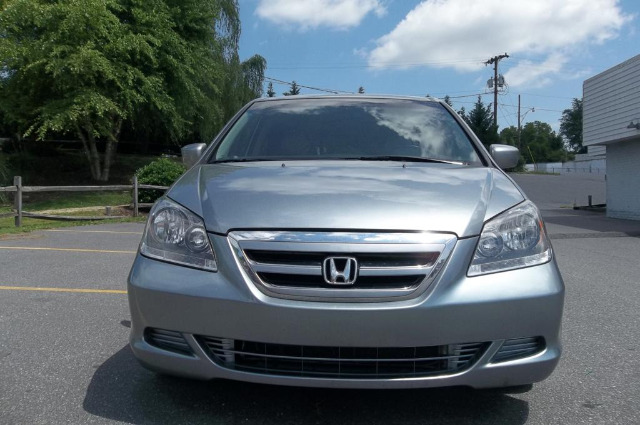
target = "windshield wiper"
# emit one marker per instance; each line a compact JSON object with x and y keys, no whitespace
{"x":222,"y":161}
{"x":407,"y":159}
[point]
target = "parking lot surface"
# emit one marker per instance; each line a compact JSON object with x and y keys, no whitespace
{"x":64,"y":325}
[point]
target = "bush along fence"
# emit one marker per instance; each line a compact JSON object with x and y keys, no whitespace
{"x":19,"y":189}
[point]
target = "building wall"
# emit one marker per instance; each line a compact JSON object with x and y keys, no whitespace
{"x":623,"y":180}
{"x":596,"y":151}
{"x":611,"y":102}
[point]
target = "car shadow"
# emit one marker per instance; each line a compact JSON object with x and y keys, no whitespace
{"x":122,"y":390}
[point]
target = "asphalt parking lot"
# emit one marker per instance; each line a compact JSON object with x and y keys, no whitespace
{"x":64,"y":326}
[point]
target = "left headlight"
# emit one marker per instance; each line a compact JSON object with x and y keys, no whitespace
{"x":176,"y":235}
{"x":511,"y":240}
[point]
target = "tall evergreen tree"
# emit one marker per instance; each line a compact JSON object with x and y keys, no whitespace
{"x":270,"y":91}
{"x":294,"y":90}
{"x":480,"y":119}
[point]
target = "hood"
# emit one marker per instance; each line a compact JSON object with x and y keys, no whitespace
{"x":345,"y":195}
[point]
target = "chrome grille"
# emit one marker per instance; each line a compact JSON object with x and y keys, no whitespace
{"x":290,"y":264}
{"x":519,"y":348}
{"x":167,"y":340}
{"x":341,"y":362}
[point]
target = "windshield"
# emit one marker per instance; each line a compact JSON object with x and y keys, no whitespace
{"x":341,"y":128}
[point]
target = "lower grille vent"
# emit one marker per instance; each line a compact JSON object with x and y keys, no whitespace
{"x":519,"y":348}
{"x":341,"y":362}
{"x":167,"y":340}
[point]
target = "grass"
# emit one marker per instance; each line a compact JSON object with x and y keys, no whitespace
{"x":7,"y":226}
{"x":60,"y":200}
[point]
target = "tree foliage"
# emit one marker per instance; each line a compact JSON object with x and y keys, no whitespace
{"x":360,"y":90}
{"x":480,"y":119}
{"x":270,"y":91}
{"x":166,"y":68}
{"x":293,"y":90}
{"x":538,"y":142}
{"x":571,"y":126}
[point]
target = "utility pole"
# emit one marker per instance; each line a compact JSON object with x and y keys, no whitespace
{"x":519,"y":126}
{"x":494,"y":61}
{"x":532,"y":109}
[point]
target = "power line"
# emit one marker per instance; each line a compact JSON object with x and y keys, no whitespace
{"x":377,"y":65}
{"x":467,"y":95}
{"x":275,"y":80}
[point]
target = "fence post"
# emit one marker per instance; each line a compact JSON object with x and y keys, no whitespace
{"x":17,"y":181}
{"x":135,"y":196}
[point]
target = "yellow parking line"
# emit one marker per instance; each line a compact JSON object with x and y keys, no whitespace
{"x":79,"y":290}
{"x":93,"y":231}
{"x":32,"y":248}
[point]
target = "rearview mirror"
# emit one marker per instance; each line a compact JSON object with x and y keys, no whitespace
{"x":504,"y":155}
{"x":192,"y":153}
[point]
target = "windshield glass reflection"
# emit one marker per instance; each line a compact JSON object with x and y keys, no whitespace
{"x":339,"y":128}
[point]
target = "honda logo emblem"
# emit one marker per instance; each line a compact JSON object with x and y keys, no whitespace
{"x":340,"y":270}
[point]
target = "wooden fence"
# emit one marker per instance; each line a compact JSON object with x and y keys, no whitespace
{"x":19,"y":189}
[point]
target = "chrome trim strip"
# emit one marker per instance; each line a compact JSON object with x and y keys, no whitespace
{"x":285,"y":268}
{"x":341,"y":247}
{"x":343,"y":237}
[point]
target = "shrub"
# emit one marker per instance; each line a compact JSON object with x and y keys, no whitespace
{"x":161,"y":172}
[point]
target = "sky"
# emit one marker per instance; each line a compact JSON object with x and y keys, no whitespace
{"x":439,"y":47}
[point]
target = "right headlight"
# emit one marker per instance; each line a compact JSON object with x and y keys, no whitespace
{"x":176,"y":235}
{"x":511,"y":240}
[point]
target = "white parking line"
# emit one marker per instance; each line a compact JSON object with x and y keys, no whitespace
{"x":32,"y":248}
{"x":93,"y":231}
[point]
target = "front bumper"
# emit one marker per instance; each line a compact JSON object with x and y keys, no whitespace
{"x":455,"y":309}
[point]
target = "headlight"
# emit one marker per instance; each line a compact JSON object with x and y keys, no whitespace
{"x":512,"y":240}
{"x":176,"y":235}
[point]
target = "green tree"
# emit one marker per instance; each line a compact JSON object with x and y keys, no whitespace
{"x":294,"y":90}
{"x":270,"y":91}
{"x":509,"y":136}
{"x":480,"y":119}
{"x":571,"y":126}
{"x":447,"y":100}
{"x":360,"y":90}
{"x":539,"y":143}
{"x":86,"y":67}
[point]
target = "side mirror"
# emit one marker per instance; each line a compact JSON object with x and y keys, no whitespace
{"x":192,"y":153}
{"x":504,"y":155}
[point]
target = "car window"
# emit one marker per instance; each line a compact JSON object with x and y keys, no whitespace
{"x":346,"y":128}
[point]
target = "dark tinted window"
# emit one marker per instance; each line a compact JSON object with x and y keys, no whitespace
{"x":346,"y":128}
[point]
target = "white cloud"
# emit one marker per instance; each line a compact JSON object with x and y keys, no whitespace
{"x":527,"y":73}
{"x":311,"y":14}
{"x":461,"y":34}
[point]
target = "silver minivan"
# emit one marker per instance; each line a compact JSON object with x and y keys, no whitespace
{"x":352,"y":242}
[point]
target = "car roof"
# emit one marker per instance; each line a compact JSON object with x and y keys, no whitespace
{"x":347,"y":96}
